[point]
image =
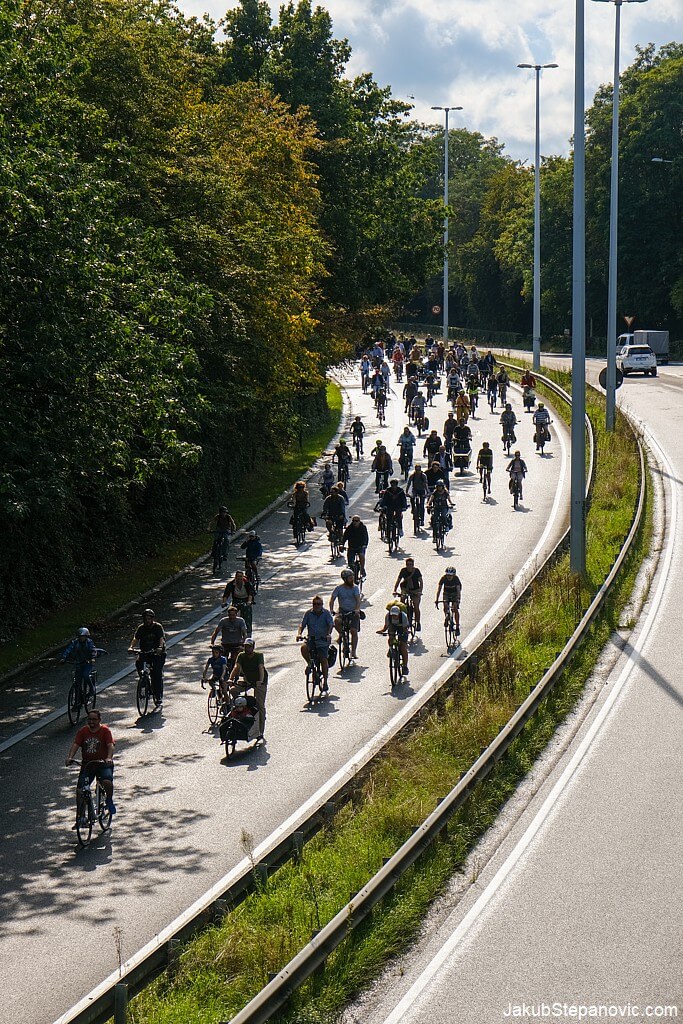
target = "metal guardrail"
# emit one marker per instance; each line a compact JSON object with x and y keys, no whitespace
{"x":111,"y":996}
{"x":311,"y":957}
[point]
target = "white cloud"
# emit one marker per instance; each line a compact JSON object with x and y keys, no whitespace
{"x":465,"y":52}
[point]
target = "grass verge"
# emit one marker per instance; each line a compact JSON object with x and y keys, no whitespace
{"x":97,"y":602}
{"x":220,"y":970}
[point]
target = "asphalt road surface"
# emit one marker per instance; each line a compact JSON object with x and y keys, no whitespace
{"x":582,"y":904}
{"x":182,"y":810}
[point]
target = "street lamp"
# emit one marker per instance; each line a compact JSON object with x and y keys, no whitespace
{"x":445,"y":224}
{"x":537,"y":219}
{"x":577,"y":508}
{"x":611,"y":381}
{"x":656,"y":159}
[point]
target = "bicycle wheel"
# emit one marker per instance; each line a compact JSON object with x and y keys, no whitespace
{"x":217,"y":560}
{"x":344,"y":648}
{"x":103,"y":812}
{"x":89,"y":695}
{"x":213,"y":706}
{"x":449,"y":631}
{"x":410,"y":612}
{"x":142,"y":694}
{"x":515,"y":495}
{"x":393,"y":537}
{"x":73,"y":703}
{"x":300,"y":532}
{"x":417,"y":520}
{"x":84,"y":821}
{"x":394,"y":666}
{"x":440,"y":535}
{"x":230,"y":740}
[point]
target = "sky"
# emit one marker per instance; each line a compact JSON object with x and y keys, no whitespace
{"x":465,"y":53}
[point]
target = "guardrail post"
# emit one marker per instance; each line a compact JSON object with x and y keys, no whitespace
{"x":120,"y":1002}
{"x":261,"y":874}
{"x":297,"y":845}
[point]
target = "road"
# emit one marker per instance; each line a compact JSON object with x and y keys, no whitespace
{"x":581,"y":904}
{"x":182,"y":810}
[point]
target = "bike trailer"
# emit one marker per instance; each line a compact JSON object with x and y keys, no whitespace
{"x":239,"y":721}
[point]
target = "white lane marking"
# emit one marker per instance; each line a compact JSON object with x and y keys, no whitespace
{"x":399,"y":1014}
{"x":52,"y":716}
{"x":316,"y":800}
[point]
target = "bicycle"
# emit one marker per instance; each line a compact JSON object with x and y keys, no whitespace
{"x":219,"y":552}
{"x":420,"y":422}
{"x":493,"y":400}
{"x":358,"y":445}
{"x":334,"y":535}
{"x":394,"y":656}
{"x":315,"y":684}
{"x":485,"y":480}
{"x":358,"y":575}
{"x":252,"y":574}
{"x":542,"y":436}
{"x":393,"y":531}
{"x":299,"y":526}
{"x":405,"y":461}
{"x":451,"y":630}
{"x":381,"y":413}
{"x":417,"y":502}
{"x":143,"y":691}
{"x":91,"y":809}
{"x":344,"y":644}
{"x":215,"y":702}
{"x":407,"y":599}
{"x":515,"y":489}
{"x":502,"y":392}
{"x":508,"y":441}
{"x":82,"y":694}
{"x":382,"y":480}
{"x":438,"y":530}
{"x":383,"y":526}
{"x":342,"y":472}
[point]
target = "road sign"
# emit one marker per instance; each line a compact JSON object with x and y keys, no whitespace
{"x":436,"y":309}
{"x":602,"y":378}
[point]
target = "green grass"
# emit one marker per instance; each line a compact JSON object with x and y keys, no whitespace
{"x":219,"y":971}
{"x":97,"y":602}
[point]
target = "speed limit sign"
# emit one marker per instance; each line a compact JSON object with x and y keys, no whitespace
{"x":436,"y":309}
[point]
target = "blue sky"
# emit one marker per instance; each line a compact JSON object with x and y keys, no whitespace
{"x":465,"y":52}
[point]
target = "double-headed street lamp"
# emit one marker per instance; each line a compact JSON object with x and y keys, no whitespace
{"x":445,"y":224}
{"x":611,"y":381}
{"x":537,"y":219}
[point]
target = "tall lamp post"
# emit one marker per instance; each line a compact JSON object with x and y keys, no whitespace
{"x":611,"y":381}
{"x":445,"y":224}
{"x":577,"y":510}
{"x":537,"y":219}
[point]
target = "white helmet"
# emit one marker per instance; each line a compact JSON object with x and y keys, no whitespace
{"x":84,"y":631}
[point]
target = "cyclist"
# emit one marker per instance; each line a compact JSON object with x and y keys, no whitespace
{"x":417,"y":407}
{"x":489,"y":362}
{"x":409,"y":391}
{"x":541,"y":420}
{"x":357,"y":431}
{"x":449,"y":429}
{"x":433,"y":475}
{"x":503,"y":382}
{"x":327,"y":479}
{"x":347,"y":596}
{"x":216,"y":670}
{"x":334,"y":511}
{"x":462,"y":437}
{"x":386,"y":373}
{"x":251,"y":667}
{"x":396,"y":624}
{"x":443,"y":457}
{"x":377,"y":382}
{"x":222,"y":524}
{"x":364,"y":372}
{"x":97,"y":745}
{"x":508,"y":421}
{"x":528,"y":380}
{"x":343,"y":454}
{"x":406,"y":444}
{"x":397,"y":360}
{"x":417,"y":483}
{"x":431,"y":446}
{"x":492,"y":390}
{"x":439,"y":504}
{"x":452,"y":590}
{"x":233,"y":630}
{"x":253,"y":551}
{"x":300,"y":501}
{"x":84,"y":654}
{"x":150,"y":637}
{"x":409,"y":581}
{"x":517,"y":470}
{"x":378,"y":444}
{"x":453,"y":385}
{"x":485,"y":459}
{"x":356,"y":539}
{"x":382,"y":467}
{"x":394,"y":502}
{"x":473,"y":391}
{"x":317,"y":623}
{"x":462,"y":407}
{"x":240,"y":593}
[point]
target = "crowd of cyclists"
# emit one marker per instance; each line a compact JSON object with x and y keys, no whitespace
{"x":235,"y":672}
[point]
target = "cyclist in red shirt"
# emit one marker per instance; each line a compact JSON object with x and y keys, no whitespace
{"x":97,"y":756}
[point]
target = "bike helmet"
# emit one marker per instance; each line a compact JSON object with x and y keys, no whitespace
{"x":250,"y":642}
{"x":83,"y":631}
{"x":223,"y":508}
{"x":347,"y":574}
{"x":451,"y":571}
{"x":148,"y":611}
{"x":240,"y":702}
{"x":440,"y":483}
{"x":252,"y":533}
{"x":395,"y":611}
{"x":541,"y":405}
